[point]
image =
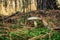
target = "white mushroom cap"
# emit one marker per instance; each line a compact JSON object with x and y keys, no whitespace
{"x":33,"y":18}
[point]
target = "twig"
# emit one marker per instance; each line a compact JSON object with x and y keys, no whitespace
{"x":40,"y":36}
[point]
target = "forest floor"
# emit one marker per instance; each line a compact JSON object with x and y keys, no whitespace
{"x":17,"y":27}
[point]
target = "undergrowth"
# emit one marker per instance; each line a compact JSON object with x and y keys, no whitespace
{"x":27,"y":34}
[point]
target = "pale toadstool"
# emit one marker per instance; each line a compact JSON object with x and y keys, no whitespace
{"x":37,"y":18}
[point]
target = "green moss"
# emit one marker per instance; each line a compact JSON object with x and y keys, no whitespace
{"x":36,"y":32}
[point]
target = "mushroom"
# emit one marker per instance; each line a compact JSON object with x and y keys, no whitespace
{"x":37,"y":18}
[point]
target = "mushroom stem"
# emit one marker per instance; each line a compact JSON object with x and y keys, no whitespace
{"x":35,"y":24}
